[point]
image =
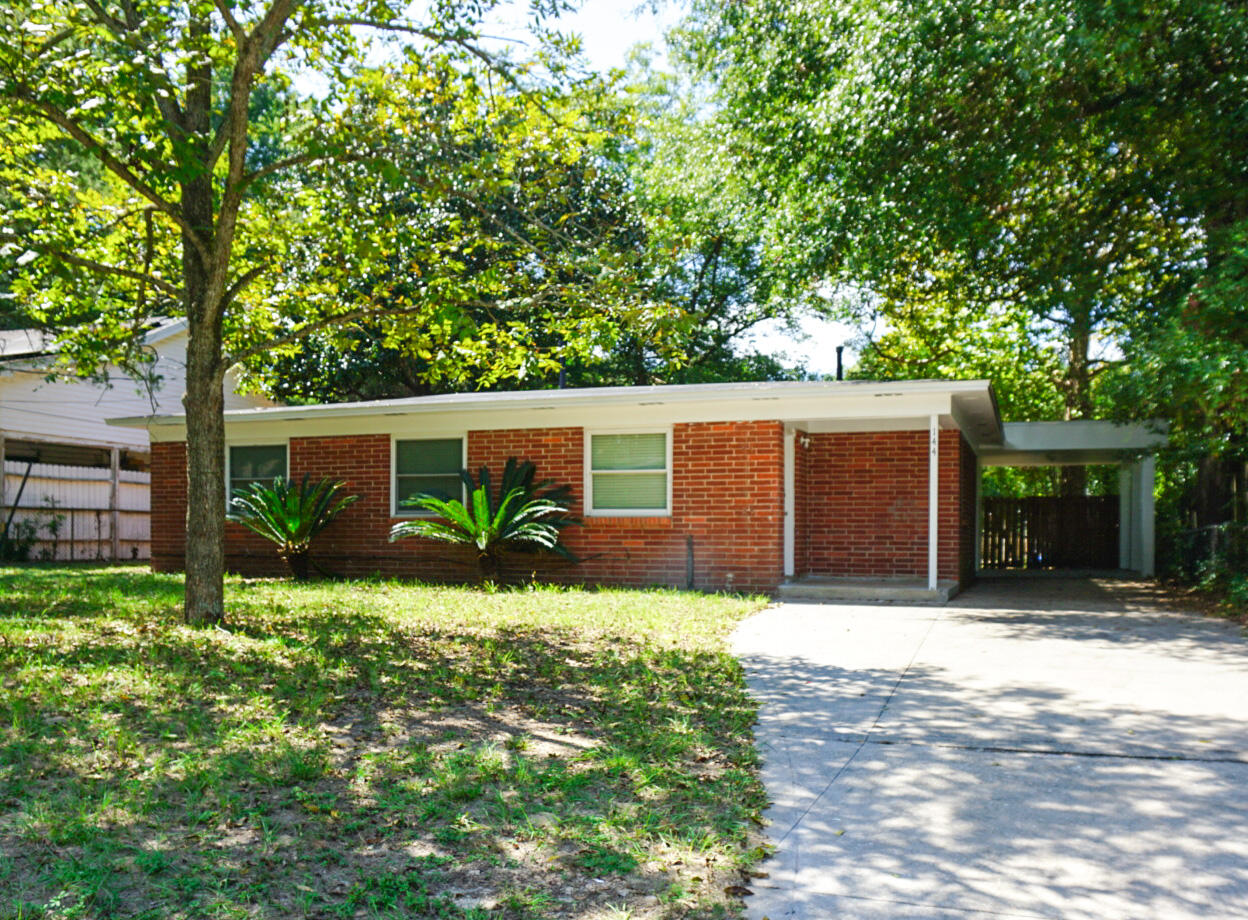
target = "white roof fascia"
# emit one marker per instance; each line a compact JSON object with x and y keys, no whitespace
{"x":1077,"y":442}
{"x":167,"y":330}
{"x":796,"y":402}
{"x":1084,"y":434}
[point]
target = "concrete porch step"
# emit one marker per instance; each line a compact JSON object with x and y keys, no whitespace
{"x":871,"y":590}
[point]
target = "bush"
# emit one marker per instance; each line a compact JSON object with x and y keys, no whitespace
{"x":523,"y":516}
{"x":290,"y":516}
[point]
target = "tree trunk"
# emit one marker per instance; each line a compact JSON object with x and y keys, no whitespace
{"x":205,"y":471}
{"x":300,"y":564}
{"x":1077,"y":391}
{"x":203,"y":290}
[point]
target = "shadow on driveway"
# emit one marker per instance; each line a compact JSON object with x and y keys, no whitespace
{"x":1056,"y":748}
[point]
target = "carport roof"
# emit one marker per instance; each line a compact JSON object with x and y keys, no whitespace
{"x":1073,"y":443}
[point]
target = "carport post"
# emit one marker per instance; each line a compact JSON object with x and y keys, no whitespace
{"x":1144,"y":486}
{"x":933,"y":495}
{"x":1136,"y":537}
{"x":1126,"y":515}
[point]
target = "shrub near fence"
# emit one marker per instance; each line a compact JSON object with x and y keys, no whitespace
{"x":66,"y":512}
{"x":1205,"y":553}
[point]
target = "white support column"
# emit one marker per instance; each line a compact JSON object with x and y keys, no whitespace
{"x":1126,"y":514}
{"x":114,"y":501}
{"x":790,"y":502}
{"x":1145,"y":484}
{"x":933,"y":497}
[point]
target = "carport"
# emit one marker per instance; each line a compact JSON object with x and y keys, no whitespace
{"x":1087,"y":443}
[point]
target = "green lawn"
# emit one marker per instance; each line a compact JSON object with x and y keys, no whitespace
{"x":370,"y":749}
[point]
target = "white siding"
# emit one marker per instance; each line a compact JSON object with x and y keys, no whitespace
{"x":75,"y":410}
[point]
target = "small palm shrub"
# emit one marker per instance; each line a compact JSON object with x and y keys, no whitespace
{"x":524,"y":515}
{"x":290,"y":515}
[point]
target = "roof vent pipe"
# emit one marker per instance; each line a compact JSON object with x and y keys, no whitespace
{"x":840,"y":367}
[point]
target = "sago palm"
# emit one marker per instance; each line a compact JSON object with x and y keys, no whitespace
{"x":290,"y":515}
{"x":525,"y":515}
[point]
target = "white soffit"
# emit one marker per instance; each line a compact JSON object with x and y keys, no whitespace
{"x":964,"y":402}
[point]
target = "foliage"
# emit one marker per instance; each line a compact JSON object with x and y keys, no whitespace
{"x":290,"y":516}
{"x":524,"y":514}
{"x":19,"y":538}
{"x":1191,"y":366}
{"x":367,"y":746}
{"x":17,"y":542}
{"x":1066,"y":160}
{"x":694,"y":263}
{"x":210,"y":189}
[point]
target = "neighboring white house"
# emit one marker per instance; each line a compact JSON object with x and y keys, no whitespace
{"x":81,"y":483}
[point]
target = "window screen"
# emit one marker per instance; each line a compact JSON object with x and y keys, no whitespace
{"x":427,"y":468}
{"x":628,"y":472}
{"x":256,"y":463}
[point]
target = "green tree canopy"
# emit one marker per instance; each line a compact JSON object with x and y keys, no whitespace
{"x":1072,"y":158}
{"x":157,"y":163}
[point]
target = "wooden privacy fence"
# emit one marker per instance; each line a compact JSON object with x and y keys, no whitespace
{"x":1062,"y":532}
{"x":73,"y":512}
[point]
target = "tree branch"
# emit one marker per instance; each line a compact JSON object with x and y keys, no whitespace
{"x":254,"y":50}
{"x":106,"y":19}
{"x":121,"y":170}
{"x":237,"y":287}
{"x":443,"y":38}
{"x":240,"y":35}
{"x":102,"y":268}
{"x":52,"y":42}
{"x":337,"y":320}
{"x":252,"y":55}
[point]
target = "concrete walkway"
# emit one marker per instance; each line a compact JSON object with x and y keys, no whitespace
{"x":1039,"y":748}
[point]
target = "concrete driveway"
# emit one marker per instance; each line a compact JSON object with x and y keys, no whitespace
{"x":1041,"y":747}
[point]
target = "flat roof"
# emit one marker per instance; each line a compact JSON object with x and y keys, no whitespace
{"x":1076,"y":442}
{"x":667,"y":394}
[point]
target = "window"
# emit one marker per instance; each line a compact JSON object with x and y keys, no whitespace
{"x":628,"y":473}
{"x":255,"y":463}
{"x":427,"y":468}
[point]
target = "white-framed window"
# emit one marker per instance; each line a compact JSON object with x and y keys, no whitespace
{"x":248,"y":463}
{"x":628,"y":473}
{"x":425,"y":466}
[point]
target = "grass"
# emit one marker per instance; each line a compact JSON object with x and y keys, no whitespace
{"x":370,"y":749}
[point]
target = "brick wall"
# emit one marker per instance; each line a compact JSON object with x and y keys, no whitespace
{"x":168,"y":497}
{"x":726,"y":519}
{"x":801,"y":504}
{"x":866,"y":506}
{"x":860,"y":503}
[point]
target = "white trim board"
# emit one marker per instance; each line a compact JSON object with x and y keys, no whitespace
{"x":588,"y":473}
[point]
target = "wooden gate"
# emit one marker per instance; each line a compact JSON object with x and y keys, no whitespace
{"x":1063,"y":532}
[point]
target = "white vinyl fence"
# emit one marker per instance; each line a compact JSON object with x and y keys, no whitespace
{"x":74,"y":512}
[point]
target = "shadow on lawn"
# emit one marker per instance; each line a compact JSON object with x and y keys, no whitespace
{"x":320,"y":762}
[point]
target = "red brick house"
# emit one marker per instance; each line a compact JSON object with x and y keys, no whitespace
{"x":716,"y":486}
